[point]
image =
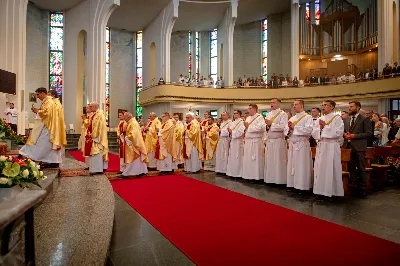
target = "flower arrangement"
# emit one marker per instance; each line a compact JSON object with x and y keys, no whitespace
{"x":8,"y":133}
{"x":19,"y":172}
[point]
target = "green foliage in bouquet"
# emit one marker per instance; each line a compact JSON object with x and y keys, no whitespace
{"x":7,"y":133}
{"x":19,"y":172}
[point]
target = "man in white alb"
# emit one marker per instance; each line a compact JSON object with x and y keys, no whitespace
{"x":253,"y":161}
{"x":223,"y":145}
{"x":328,"y":167}
{"x":299,"y":167}
{"x":235,"y":158}
{"x":275,"y":150}
{"x":12,"y":117}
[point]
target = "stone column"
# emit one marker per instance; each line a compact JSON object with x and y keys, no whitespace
{"x":13,"y":52}
{"x":385,"y":33}
{"x":226,"y":29}
{"x":90,"y":17}
{"x":294,"y":39}
{"x":159,"y":32}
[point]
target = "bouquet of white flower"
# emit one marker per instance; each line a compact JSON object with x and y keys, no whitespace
{"x":19,"y":172}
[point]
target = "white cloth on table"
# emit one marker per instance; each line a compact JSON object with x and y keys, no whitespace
{"x":299,"y":167}
{"x":193,"y":164}
{"x":97,"y":164}
{"x":152,"y":161}
{"x":328,"y":167}
{"x":236,"y":149}
{"x":276,"y":149}
{"x":42,"y":151}
{"x":137,"y":167}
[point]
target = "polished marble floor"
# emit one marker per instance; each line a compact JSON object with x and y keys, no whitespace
{"x":136,"y":242}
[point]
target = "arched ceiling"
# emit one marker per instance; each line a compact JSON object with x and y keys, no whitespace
{"x":134,"y":15}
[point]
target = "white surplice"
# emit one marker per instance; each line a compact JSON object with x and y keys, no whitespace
{"x":96,"y":163}
{"x":253,"y":160}
{"x":193,"y":163}
{"x":299,"y":167}
{"x":42,"y":151}
{"x":328,"y":166}
{"x":223,"y":148}
{"x":137,"y":167}
{"x":236,"y":149}
{"x":152,"y":161}
{"x":276,"y":149}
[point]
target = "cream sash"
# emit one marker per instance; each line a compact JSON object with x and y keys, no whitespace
{"x":275,"y":116}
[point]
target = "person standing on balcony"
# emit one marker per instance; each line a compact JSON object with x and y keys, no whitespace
{"x":151,"y":139}
{"x":328,"y":166}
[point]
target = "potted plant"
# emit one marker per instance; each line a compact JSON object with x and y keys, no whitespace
{"x":17,"y":174}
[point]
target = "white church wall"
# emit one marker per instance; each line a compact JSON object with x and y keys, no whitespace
{"x":180,"y":55}
{"x":247,"y":50}
{"x":204,"y":53}
{"x":37,"y":55}
{"x":123,"y":73}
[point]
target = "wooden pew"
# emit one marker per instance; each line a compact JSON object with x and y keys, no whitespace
{"x":380,"y":175}
{"x":345,"y":158}
{"x":369,"y":155}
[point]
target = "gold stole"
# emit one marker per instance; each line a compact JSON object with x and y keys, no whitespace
{"x":227,"y":123}
{"x":331,"y":120}
{"x":253,"y":119}
{"x":237,"y":124}
{"x":298,"y":120}
{"x":275,"y":116}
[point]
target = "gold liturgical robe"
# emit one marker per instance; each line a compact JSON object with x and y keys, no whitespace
{"x":137,"y":149}
{"x":98,"y":134}
{"x":60,"y":133}
{"x":47,"y":115}
{"x":151,"y":135}
{"x":211,"y":139}
{"x":167,"y":141}
{"x":193,"y":132}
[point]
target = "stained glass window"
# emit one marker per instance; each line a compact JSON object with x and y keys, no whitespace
{"x":139,"y":72}
{"x":190,"y":54}
{"x":264,"y":47}
{"x":108,"y":50}
{"x":214,"y":54}
{"x":56,"y":47}
{"x":197,"y":55}
{"x":308,"y":11}
{"x":317,"y":12}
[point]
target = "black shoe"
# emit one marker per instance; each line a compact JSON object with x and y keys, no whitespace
{"x":97,"y":173}
{"x":120,"y":173}
{"x":87,"y":169}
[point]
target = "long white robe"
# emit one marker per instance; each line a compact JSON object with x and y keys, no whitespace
{"x":299,"y":167}
{"x":253,"y":161}
{"x":96,"y":163}
{"x":276,"y":150}
{"x":167,"y":164}
{"x":328,"y":167}
{"x":42,"y":151}
{"x":235,"y":157}
{"x":152,"y":161}
{"x":137,"y":167}
{"x":223,"y":148}
{"x":193,"y":163}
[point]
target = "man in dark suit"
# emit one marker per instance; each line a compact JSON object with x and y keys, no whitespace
{"x":357,"y":130}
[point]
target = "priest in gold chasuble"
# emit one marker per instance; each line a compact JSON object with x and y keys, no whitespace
{"x":60,"y":124}
{"x":135,"y":154}
{"x":192,"y":146}
{"x":179,"y":128}
{"x":45,"y":141}
{"x":211,"y":141}
{"x":96,"y":141}
{"x":151,"y":138}
{"x":166,"y":153}
{"x":121,"y":135}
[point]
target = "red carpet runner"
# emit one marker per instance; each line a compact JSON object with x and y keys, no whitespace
{"x":113,"y":160}
{"x":215,"y":226}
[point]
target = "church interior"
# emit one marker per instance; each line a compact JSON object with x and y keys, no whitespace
{"x":199,"y":132}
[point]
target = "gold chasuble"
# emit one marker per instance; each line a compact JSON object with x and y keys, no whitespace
{"x":178,"y":140}
{"x":96,"y":135}
{"x":211,"y":137}
{"x":60,"y":137}
{"x":121,"y":131}
{"x":137,"y":149}
{"x":166,"y":143}
{"x":151,"y":135}
{"x":193,"y":132}
{"x":47,"y":118}
{"x":81,"y":142}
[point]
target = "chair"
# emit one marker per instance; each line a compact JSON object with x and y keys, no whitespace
{"x":369,"y":155}
{"x":381,"y":170}
{"x":71,"y":128}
